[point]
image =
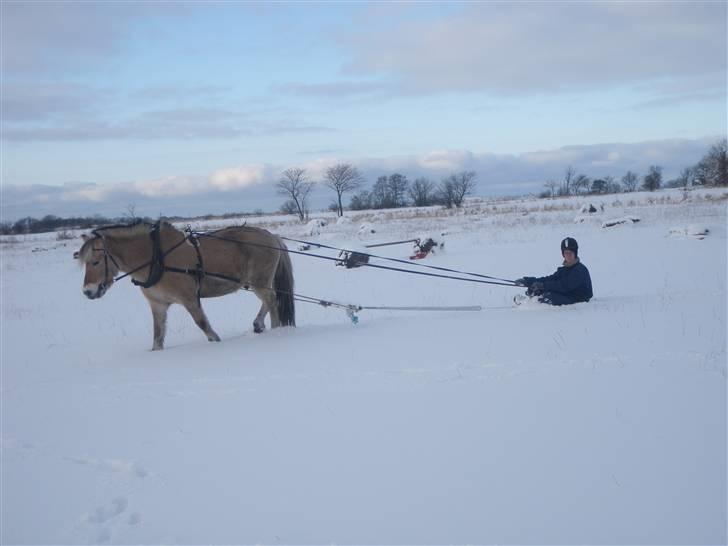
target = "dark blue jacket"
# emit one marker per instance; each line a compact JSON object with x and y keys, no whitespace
{"x":572,"y":282}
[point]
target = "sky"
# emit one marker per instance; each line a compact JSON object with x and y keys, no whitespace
{"x":185,"y":108}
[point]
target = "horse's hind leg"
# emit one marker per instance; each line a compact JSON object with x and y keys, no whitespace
{"x":268,"y":305}
{"x":259,"y":321}
{"x":195,"y":309}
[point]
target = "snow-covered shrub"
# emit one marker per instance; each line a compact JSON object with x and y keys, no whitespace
{"x":315,"y":225}
{"x":366,"y":229}
{"x":619,"y":221}
{"x":693,"y":230}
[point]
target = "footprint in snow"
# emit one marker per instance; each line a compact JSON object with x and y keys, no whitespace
{"x":103,"y":518}
{"x":113,"y":465}
{"x":102,"y":514}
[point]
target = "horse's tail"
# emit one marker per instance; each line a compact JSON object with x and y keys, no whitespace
{"x":283,"y":285}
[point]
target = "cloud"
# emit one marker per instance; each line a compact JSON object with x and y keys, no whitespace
{"x":539,"y":47}
{"x":241,"y":176}
{"x":49,"y":36}
{"x":446,"y":160}
{"x":33,"y":102}
{"x":36,"y":120}
{"x":42,"y":37}
{"x":252,"y":186}
{"x":708,"y":93}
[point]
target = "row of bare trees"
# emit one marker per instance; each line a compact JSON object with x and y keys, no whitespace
{"x":390,"y":191}
{"x":580,"y":184}
{"x":296,"y":186}
{"x":396,"y":190}
{"x":711,"y":170}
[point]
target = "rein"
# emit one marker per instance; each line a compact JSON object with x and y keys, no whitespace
{"x":496,"y":280}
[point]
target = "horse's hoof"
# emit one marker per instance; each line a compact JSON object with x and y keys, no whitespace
{"x":258,"y":329}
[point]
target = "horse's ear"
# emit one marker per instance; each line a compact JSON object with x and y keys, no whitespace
{"x":85,"y":237}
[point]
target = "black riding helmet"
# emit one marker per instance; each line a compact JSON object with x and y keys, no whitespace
{"x":570,"y":244}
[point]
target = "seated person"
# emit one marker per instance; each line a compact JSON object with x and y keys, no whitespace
{"x":571,"y":283}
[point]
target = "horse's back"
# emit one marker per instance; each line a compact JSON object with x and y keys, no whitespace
{"x":246,"y":233}
{"x":249,"y":253}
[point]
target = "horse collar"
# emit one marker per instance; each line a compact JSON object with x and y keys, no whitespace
{"x":156,"y":267}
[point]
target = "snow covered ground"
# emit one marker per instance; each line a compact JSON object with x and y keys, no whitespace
{"x":596,"y":423}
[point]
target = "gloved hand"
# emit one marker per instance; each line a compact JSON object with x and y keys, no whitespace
{"x":525,"y":281}
{"x":535,"y":289}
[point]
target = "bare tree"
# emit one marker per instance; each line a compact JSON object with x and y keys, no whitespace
{"x":421,"y":192}
{"x":397,"y":185}
{"x":289,"y":207}
{"x":446,"y":193}
{"x":456,"y":187}
{"x":361,"y":201}
{"x":295,"y":185}
{"x":653,"y":179}
{"x":712,"y":170}
{"x":686,"y":178}
{"x":551,"y":185}
{"x":342,"y":178}
{"x":130,"y":212}
{"x":598,"y":185}
{"x":612,"y":185}
{"x":580,"y":182}
{"x":380,"y":197}
{"x":568,"y":179}
{"x":629,"y":181}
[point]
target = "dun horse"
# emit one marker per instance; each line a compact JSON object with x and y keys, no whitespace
{"x":172,"y":267}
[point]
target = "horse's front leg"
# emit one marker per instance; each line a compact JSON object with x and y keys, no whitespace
{"x":159,"y":315}
{"x":195,"y":309}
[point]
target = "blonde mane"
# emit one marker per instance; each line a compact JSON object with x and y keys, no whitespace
{"x":119,"y":232}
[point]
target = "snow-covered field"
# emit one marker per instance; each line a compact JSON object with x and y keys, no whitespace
{"x":600,"y":423}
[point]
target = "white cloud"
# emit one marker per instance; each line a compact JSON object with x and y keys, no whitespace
{"x":240,"y":177}
{"x":94,"y":194}
{"x":544,"y":47}
{"x":170,"y":186}
{"x":52,"y":36}
{"x":37,"y":118}
{"x":445,"y":160}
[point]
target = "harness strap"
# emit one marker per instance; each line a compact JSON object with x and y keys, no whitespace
{"x":199,"y":271}
{"x":497,"y":281}
{"x":194,"y":272}
{"x":156,"y":269}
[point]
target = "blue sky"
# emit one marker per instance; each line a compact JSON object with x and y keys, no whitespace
{"x":188,"y":108}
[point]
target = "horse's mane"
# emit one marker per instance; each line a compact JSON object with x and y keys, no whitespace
{"x":121,"y":231}
{"x":139,"y":227}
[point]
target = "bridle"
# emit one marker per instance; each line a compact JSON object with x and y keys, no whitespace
{"x":107,"y":257}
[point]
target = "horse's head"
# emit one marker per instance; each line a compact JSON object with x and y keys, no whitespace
{"x":100,"y":266}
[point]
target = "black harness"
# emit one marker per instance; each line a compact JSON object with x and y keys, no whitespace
{"x":156,"y":269}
